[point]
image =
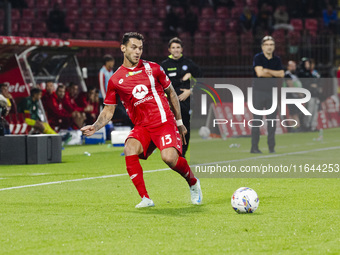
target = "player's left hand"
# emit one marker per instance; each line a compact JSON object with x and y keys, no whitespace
{"x":186,"y":93}
{"x":182,"y":132}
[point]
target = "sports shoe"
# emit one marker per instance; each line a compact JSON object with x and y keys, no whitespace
{"x":146,"y":202}
{"x":196,"y":193}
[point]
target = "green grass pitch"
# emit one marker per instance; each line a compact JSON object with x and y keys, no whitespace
{"x":97,"y":215}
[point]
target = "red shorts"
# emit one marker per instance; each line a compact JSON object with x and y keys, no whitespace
{"x":163,"y":136}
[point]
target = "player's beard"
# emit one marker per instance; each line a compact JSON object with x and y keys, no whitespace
{"x":131,"y":60}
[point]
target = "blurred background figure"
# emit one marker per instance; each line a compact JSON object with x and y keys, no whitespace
{"x":56,"y":20}
{"x":292,"y":81}
{"x":10,"y":100}
{"x":29,"y":106}
{"x":310,"y":83}
{"x":105,"y":74}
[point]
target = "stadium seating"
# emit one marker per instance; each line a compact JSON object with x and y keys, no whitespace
{"x":204,"y":25}
{"x":99,"y":26}
{"x":30,"y":3}
{"x":200,"y":42}
{"x":236,"y":12}
{"x":87,"y":14}
{"x":161,"y":13}
{"x":179,"y":12}
{"x":133,"y":4}
{"x":222,"y":13}
{"x":28,"y":14}
{"x":220,"y":25}
{"x":160,"y":3}
{"x":147,"y":14}
{"x":101,"y":4}
{"x":233,"y":26}
{"x":15,"y":14}
{"x":216,"y":44}
{"x":102,"y":14}
{"x":42,"y":15}
{"x":72,"y":14}
{"x":84,"y":27}
{"x":158,"y":26}
{"x":71,"y":4}
{"x":114,"y":26}
{"x":86,"y":3}
{"x":40,"y":27}
{"x":25,"y":27}
{"x":42,"y":4}
{"x":144,"y":26}
{"x":116,"y":4}
{"x":297,"y":24}
{"x":207,"y":13}
{"x":187,"y":44}
{"x":311,"y":24}
{"x":129,"y":26}
{"x":117,"y":14}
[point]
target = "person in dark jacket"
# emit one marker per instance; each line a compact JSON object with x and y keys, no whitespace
{"x":180,"y":70}
{"x":309,"y":82}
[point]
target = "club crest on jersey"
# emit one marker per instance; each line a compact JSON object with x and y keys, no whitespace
{"x":140,"y":91}
{"x":148,"y":72}
{"x":133,"y":73}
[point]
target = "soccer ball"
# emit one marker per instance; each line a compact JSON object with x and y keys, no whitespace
{"x":245,"y":200}
{"x":204,"y":132}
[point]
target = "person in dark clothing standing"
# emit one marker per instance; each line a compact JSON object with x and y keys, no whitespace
{"x":266,"y":65}
{"x":310,"y":83}
{"x":180,"y":70}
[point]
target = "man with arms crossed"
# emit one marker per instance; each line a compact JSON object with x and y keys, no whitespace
{"x":141,"y":86}
{"x":266,"y":65}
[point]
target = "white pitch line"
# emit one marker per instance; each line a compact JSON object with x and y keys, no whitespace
{"x":166,"y":169}
{"x":78,"y":180}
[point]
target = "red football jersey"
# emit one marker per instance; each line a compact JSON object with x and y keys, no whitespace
{"x":141,"y":90}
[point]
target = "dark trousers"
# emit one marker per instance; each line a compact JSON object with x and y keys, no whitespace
{"x":185,"y":110}
{"x":263,"y":99}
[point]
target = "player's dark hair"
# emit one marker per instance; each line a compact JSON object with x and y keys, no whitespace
{"x":2,"y":85}
{"x":107,"y":58}
{"x":35,"y":91}
{"x":267,"y":38}
{"x":127,"y":36}
{"x":61,"y":86}
{"x":175,"y":40}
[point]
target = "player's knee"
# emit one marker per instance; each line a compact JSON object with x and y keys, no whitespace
{"x":169,"y":159}
{"x":132,"y":147}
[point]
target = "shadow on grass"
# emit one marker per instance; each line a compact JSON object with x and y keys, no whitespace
{"x":178,"y":211}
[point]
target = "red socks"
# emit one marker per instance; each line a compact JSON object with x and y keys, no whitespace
{"x":135,"y":172}
{"x":183,"y":169}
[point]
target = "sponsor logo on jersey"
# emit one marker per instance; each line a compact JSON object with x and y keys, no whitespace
{"x":172,"y":69}
{"x":185,"y":67}
{"x":140,"y":91}
{"x":120,"y":81}
{"x":133,"y":73}
{"x":142,"y":101}
{"x":172,"y":74}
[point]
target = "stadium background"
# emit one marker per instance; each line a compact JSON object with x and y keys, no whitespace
{"x":218,"y":43}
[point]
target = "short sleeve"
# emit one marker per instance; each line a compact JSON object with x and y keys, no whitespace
{"x":257,"y":61}
{"x":110,"y":98}
{"x":162,"y":77}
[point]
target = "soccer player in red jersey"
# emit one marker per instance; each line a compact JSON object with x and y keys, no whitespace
{"x":141,"y":85}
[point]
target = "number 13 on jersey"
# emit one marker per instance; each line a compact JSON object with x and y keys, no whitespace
{"x":166,"y":140}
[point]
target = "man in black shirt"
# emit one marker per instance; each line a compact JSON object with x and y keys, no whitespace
{"x":266,"y":65}
{"x":180,"y":70}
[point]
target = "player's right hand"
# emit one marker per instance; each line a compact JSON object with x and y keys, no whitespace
{"x":88,"y":130}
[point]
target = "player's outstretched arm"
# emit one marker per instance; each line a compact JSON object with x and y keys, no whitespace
{"x":174,"y":103}
{"x":104,"y":117}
